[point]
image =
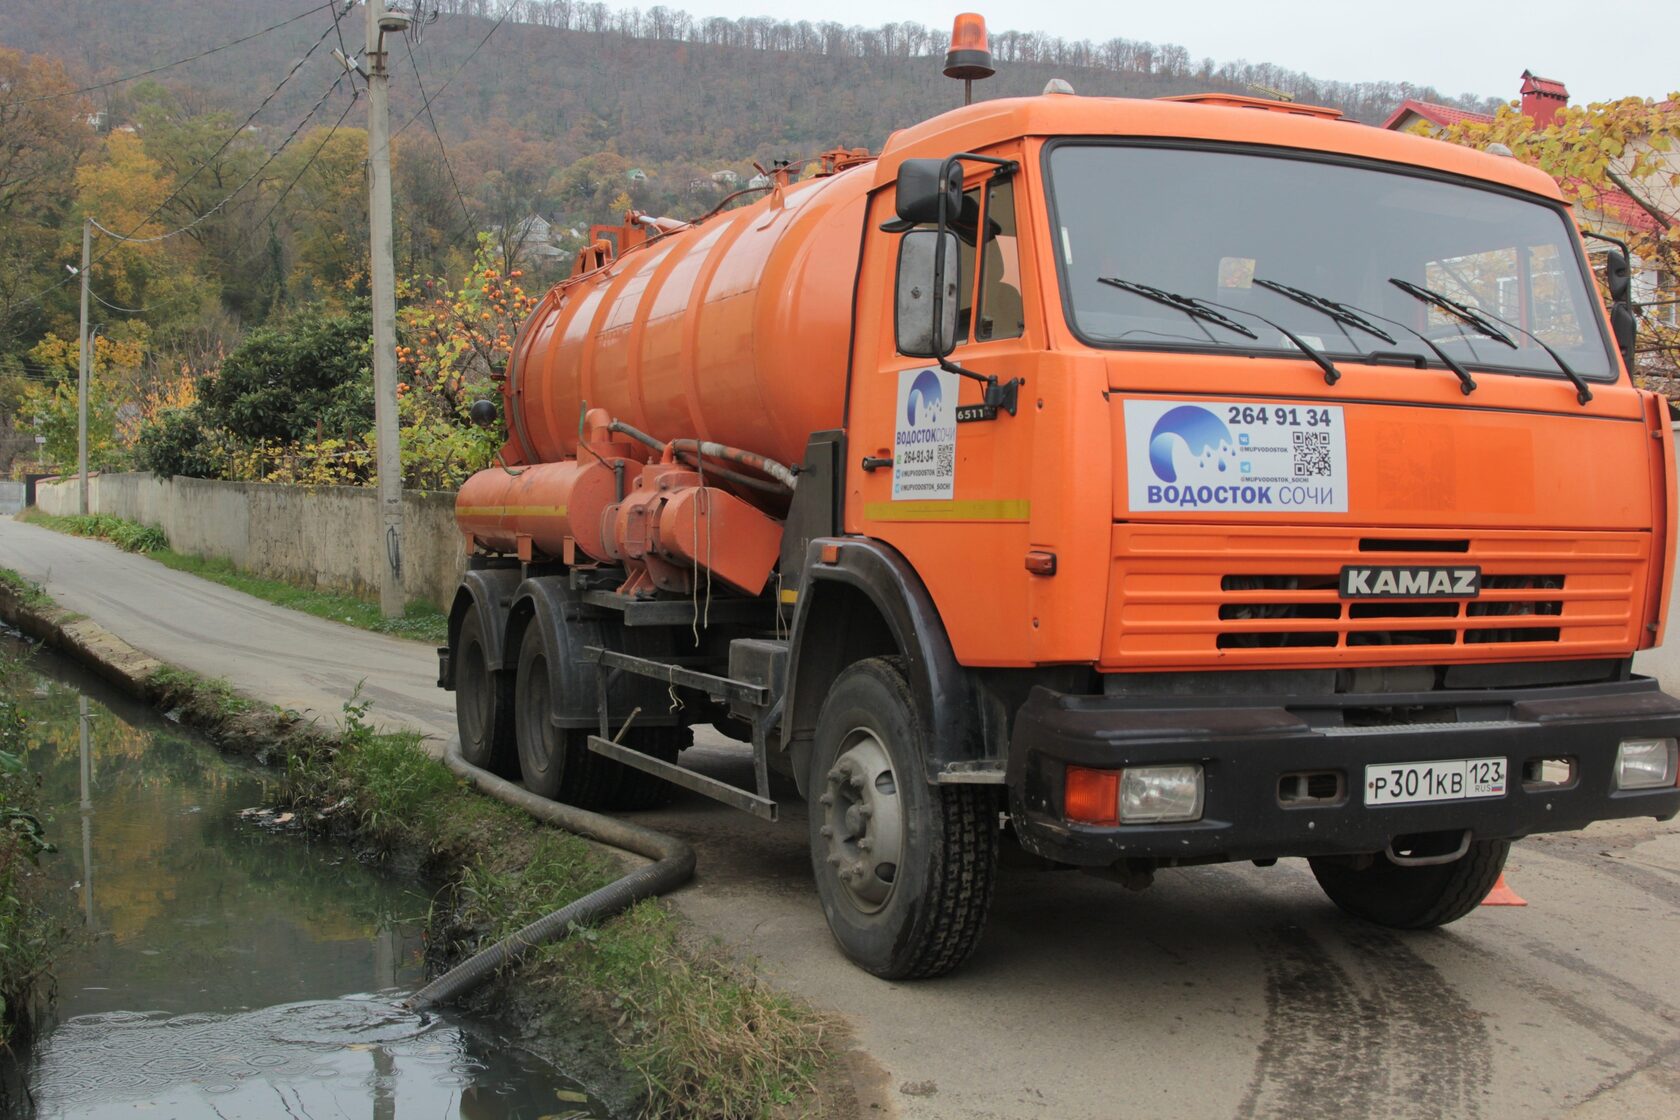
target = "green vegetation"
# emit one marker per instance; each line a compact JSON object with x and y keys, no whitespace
{"x":211,"y":699}
{"x":707,"y":1039}
{"x":130,"y":536}
{"x":30,"y":935}
{"x":421,"y":621}
{"x":28,"y":590}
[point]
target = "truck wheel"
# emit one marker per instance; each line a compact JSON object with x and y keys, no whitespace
{"x":555,"y":762}
{"x":483,"y":703}
{"x":1414,"y":897}
{"x":638,"y":789}
{"x":904,"y":868}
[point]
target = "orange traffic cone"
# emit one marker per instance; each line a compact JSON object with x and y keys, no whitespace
{"x":1503,"y":895}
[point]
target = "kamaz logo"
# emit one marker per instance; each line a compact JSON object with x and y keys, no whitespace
{"x":1410,"y":583}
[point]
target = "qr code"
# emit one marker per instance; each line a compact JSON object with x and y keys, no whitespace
{"x":1312,"y":454}
{"x":945,"y":461}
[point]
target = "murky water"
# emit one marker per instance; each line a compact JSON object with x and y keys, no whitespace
{"x":230,"y":968}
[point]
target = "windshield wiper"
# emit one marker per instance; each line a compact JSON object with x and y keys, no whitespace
{"x":1340,"y":312}
{"x":1187,"y":304}
{"x":1460,"y":311}
{"x":1466,"y":383}
{"x":1582,"y":393}
{"x":1206,"y":309}
{"x":1478,"y":319}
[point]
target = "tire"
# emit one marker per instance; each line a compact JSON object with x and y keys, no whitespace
{"x":554,"y":762}
{"x":483,"y":703}
{"x":1414,"y":897}
{"x":919,"y":914}
{"x":637,"y":789}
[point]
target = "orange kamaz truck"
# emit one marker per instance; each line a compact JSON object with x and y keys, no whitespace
{"x":1139,"y":483}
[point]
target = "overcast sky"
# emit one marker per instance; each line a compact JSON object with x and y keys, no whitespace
{"x":1601,"y":50}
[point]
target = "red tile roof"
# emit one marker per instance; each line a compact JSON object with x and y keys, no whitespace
{"x":1619,"y":206}
{"x":1442,"y":116}
{"x":1534,"y":83}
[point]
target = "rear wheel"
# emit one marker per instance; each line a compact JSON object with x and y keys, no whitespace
{"x":555,"y":762}
{"x":483,"y":702}
{"x":904,"y":868}
{"x":1401,"y":897}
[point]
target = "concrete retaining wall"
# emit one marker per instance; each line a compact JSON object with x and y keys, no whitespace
{"x":325,"y":537}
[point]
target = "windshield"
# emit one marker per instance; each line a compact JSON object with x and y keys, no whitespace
{"x":1207,"y":224}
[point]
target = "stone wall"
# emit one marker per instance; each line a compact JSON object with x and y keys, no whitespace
{"x":325,"y":537}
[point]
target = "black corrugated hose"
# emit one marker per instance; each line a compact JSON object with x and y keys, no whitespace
{"x":672,"y":867}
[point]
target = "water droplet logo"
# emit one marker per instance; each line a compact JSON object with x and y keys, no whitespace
{"x":924,"y":404}
{"x":1199,"y":431}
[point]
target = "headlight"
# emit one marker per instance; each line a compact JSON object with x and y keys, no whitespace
{"x":1646,"y":763}
{"x":1155,"y":794}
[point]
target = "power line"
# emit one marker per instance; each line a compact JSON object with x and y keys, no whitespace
{"x":185,"y":183}
{"x":180,"y":61}
{"x":114,"y":307}
{"x":355,"y":95}
{"x":426,"y":104}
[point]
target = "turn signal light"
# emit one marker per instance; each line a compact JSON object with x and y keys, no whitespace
{"x":1041,"y":563}
{"x":1092,"y":796}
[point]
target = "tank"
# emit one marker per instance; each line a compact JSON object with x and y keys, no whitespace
{"x":733,"y":330}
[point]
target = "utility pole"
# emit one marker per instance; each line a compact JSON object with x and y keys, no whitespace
{"x":82,"y":373}
{"x":389,"y":463}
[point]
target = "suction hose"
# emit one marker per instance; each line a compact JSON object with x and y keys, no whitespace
{"x":672,"y":867}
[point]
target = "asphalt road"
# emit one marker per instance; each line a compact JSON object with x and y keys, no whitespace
{"x":1220,"y":992}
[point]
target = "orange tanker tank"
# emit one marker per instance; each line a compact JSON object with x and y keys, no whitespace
{"x":733,"y":330}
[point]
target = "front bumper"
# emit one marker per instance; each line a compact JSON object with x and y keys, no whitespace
{"x":1247,"y":747}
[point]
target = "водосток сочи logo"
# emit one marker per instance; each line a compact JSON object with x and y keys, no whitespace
{"x":1199,"y":432}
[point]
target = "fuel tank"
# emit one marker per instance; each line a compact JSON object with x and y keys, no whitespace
{"x":734,"y":330}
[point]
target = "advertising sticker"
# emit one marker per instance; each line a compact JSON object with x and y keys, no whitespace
{"x":1228,"y":456}
{"x":925,"y":435}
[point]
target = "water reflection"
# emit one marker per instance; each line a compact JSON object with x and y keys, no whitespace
{"x":213,"y":981}
{"x":356,"y":1056}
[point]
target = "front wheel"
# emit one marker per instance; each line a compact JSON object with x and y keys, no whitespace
{"x":1401,"y":897}
{"x":904,"y":868}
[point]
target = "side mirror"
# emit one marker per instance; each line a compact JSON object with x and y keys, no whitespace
{"x":925,"y":302}
{"x":920,"y":184}
{"x":1617,"y":276}
{"x":1624,"y":326}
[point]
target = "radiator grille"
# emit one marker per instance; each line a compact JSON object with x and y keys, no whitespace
{"x":1241,"y":596}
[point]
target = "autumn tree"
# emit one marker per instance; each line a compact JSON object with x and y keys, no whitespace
{"x":43,"y":133}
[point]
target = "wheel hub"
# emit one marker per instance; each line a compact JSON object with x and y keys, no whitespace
{"x":863,"y":821}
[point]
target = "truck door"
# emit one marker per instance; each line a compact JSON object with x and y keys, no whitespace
{"x":955,"y":497}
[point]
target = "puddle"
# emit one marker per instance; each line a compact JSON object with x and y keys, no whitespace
{"x":229,"y":968}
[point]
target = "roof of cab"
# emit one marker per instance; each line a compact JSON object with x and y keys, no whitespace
{"x":975,"y":127}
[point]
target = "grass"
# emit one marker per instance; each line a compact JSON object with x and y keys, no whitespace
{"x":212,"y":699}
{"x":421,"y":620}
{"x":32,"y":594}
{"x":705,"y":1037}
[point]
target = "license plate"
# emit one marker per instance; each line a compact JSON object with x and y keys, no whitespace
{"x":1457,"y":779}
